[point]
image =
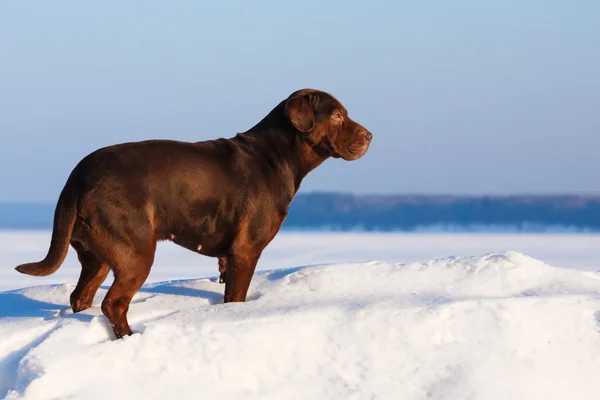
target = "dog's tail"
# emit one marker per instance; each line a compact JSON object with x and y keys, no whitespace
{"x":64,"y":221}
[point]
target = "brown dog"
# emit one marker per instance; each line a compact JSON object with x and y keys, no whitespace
{"x":224,"y":198}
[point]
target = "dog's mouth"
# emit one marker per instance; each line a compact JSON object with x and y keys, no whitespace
{"x":353,"y":151}
{"x":357,"y":149}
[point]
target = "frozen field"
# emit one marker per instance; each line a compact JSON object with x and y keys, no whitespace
{"x":329,"y":316}
{"x":299,"y":249}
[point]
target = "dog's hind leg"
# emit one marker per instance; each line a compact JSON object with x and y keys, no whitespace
{"x":93,"y":274}
{"x":130,"y":273}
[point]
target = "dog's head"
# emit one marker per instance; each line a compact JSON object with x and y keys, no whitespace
{"x":324,"y":123}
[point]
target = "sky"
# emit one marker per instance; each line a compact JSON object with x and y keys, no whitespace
{"x":462,"y":97}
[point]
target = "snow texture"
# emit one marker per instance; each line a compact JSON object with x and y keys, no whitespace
{"x":498,"y":326}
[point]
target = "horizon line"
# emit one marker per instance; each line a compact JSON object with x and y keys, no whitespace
{"x":399,"y":194}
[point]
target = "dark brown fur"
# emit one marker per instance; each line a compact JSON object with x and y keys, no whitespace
{"x":224,"y":198}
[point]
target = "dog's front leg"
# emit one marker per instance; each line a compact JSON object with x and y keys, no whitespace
{"x":240,"y":268}
{"x":222,"y":269}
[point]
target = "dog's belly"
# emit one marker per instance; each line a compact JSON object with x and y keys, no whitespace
{"x":212,"y":245}
{"x":204,"y":226}
{"x":207,"y":237}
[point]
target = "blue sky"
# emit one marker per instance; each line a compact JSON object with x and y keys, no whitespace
{"x":463,"y":97}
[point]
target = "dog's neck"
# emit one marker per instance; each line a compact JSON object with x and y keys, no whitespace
{"x":287,"y":148}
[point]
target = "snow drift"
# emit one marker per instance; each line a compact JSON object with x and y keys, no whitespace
{"x":501,"y":326}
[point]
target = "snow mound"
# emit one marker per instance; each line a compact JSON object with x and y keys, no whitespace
{"x":500,"y":326}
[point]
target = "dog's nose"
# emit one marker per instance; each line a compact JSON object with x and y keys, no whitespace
{"x":369,"y":136}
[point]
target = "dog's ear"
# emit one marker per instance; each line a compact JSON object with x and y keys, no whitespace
{"x":299,"y":110}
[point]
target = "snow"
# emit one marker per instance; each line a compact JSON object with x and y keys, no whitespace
{"x":329,"y":316}
{"x":288,"y":250}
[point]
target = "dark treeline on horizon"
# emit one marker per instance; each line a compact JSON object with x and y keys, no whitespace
{"x":335,"y":211}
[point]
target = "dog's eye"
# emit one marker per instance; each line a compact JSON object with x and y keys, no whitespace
{"x":336,"y":115}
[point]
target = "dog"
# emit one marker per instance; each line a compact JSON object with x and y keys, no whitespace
{"x":223,"y":198}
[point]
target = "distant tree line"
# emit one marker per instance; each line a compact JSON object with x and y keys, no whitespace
{"x":437,"y":212}
{"x":334,"y":211}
